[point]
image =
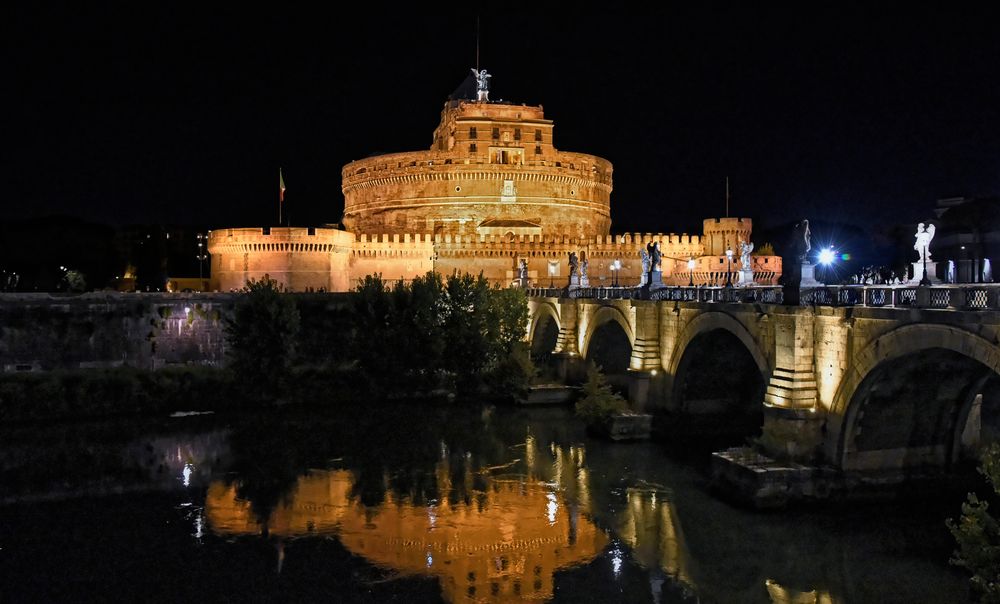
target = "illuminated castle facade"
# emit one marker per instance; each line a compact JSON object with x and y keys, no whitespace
{"x":490,"y":192}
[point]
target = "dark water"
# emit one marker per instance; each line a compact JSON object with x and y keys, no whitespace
{"x":411,"y":503}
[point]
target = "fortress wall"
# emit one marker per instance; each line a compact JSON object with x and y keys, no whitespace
{"x":42,"y":332}
{"x":45,"y":332}
{"x":301,"y":259}
{"x":333,"y":260}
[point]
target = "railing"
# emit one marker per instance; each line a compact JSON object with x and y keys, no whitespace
{"x":945,"y":297}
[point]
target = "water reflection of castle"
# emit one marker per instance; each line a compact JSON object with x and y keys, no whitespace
{"x":504,"y":543}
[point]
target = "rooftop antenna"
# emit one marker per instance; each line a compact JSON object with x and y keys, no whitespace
{"x":477,"y":43}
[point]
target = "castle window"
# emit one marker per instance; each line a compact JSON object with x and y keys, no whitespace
{"x":538,"y":149}
{"x":496,"y":133}
{"x":517,"y":134}
{"x":538,"y":135}
{"x":472,"y":147}
{"x":473,"y":133}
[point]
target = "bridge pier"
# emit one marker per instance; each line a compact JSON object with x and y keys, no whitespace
{"x":643,"y":389}
{"x":794,"y":434}
{"x":792,"y":423}
{"x":570,"y":367}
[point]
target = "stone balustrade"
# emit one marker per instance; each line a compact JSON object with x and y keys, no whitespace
{"x":946,"y":297}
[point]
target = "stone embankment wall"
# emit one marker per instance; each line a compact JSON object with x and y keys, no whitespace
{"x":41,"y":332}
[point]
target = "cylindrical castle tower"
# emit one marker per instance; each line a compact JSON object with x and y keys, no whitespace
{"x":301,"y":259}
{"x":492,"y":170}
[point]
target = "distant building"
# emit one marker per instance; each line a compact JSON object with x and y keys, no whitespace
{"x":490,"y":192}
{"x":966,"y":246}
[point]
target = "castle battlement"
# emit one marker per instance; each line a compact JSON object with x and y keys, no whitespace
{"x":491,"y":194}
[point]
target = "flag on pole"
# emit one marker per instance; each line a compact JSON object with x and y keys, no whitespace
{"x":281,"y":186}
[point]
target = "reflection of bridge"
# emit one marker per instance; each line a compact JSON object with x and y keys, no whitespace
{"x":868,"y":378}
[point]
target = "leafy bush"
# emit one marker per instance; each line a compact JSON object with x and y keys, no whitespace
{"x":599,"y":404}
{"x":458,"y":332}
{"x":110,"y":392}
{"x":978,"y":534}
{"x":261,"y":335}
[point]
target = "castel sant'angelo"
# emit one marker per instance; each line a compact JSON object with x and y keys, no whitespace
{"x":491,"y":192}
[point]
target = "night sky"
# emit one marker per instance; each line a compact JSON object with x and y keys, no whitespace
{"x":860,"y":115}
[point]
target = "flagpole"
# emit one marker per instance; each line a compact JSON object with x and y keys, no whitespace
{"x":727,"y":197}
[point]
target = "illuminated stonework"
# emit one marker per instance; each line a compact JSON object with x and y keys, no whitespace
{"x":492,"y":191}
{"x":492,"y":170}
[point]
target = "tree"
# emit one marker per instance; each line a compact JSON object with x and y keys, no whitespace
{"x":978,"y":534}
{"x":261,"y":336}
{"x":74,"y":281}
{"x":599,"y":404}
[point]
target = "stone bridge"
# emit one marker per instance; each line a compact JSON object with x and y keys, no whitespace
{"x":860,"y":378}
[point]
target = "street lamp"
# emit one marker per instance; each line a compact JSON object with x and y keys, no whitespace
{"x":691,"y":264}
{"x":552,"y":275}
{"x":729,"y":262}
{"x":202,"y":256}
{"x":826,"y":258}
{"x":615,"y":267}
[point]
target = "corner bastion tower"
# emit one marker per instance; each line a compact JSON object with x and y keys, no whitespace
{"x":492,"y":191}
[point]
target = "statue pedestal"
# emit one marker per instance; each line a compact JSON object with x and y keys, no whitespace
{"x":574,"y":281}
{"x":809,"y":276}
{"x":745,"y":277}
{"x":584,"y":281}
{"x":656,"y":280}
{"x":918,"y":272}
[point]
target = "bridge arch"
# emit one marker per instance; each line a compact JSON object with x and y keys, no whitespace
{"x":541,"y":312}
{"x":717,"y":378}
{"x":602,"y":315}
{"x":914,"y":350}
{"x":608,"y":342}
{"x":543,"y":331}
{"x":711,"y":321}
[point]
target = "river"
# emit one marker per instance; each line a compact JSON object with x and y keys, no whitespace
{"x":416,"y":503}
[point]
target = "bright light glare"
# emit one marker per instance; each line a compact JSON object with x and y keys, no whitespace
{"x":827,"y":256}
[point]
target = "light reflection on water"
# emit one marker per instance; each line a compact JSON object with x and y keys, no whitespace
{"x":505,"y":543}
{"x":517,"y":506}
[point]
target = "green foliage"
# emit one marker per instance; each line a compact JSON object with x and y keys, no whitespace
{"x":599,"y":403}
{"x":459,"y":333}
{"x":977,"y":533}
{"x":112,"y":392}
{"x":74,"y":281}
{"x":261,"y":337}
